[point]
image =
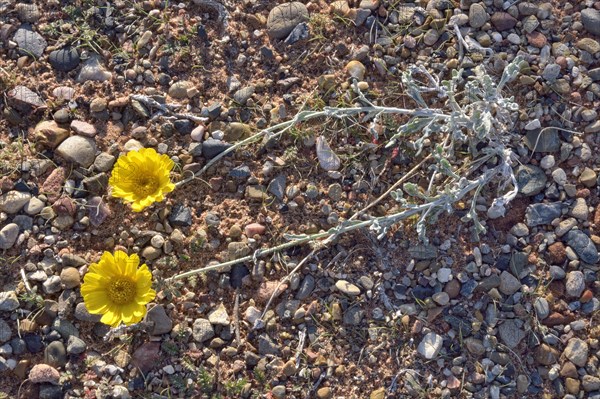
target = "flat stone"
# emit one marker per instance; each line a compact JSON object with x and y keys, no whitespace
{"x":64,"y":59}
{"x":542,"y":214}
{"x":548,"y":141}
{"x":219,"y":316}
{"x":588,"y":44}
{"x":531,"y":179}
{"x":477,"y":15}
{"x":49,"y":134}
{"x":577,"y":351}
{"x":179,"y":89}
{"x":583,"y":246}
{"x":510,"y":333}
{"x":327,"y":158}
{"x":509,"y":284}
{"x":430,"y":345}
{"x":41,"y":373}
{"x":83,"y":128}
{"x":503,"y":21}
{"x":202,"y":330}
{"x":162,"y":323}
{"x":347,"y":288}
{"x":211,"y":148}
{"x":92,"y":70}
{"x":30,"y":43}
{"x":242,"y":95}
{"x":574,"y":284}
{"x":24,"y":99}
{"x":78,"y":149}
{"x":590,"y":18}
{"x":284,"y":18}
{"x":13,"y":201}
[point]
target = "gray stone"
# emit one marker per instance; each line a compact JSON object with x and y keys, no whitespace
{"x":510,"y":333}
{"x":202,"y":330}
{"x":531,"y":180}
{"x":548,"y":141}
{"x":423,"y":252}
{"x":577,"y":351}
{"x":347,"y":288}
{"x":542,"y":308}
{"x":353,"y":316}
{"x":83,"y":128}
{"x":590,"y":383}
{"x":284,"y":18}
{"x":540,"y":214}
{"x":92,"y":70}
{"x":306,"y":287}
{"x":509,"y":284}
{"x":243,"y":95}
{"x":161,"y":321}
{"x":81,"y":150}
{"x":8,"y":301}
{"x":277,"y":186}
{"x":590,"y":18}
{"x":55,"y":354}
{"x":477,"y":15}
{"x":30,"y":43}
{"x":266,"y":346}
{"x":24,"y":99}
{"x":219,"y":316}
{"x":5,"y":331}
{"x":557,"y":272}
{"x":64,"y":59}
{"x":580,"y":209}
{"x":75,"y":345}
{"x":8,"y":235}
{"x":575,"y":284}
{"x":13,"y":201}
{"x":430,"y":345}
{"x":327,"y":158}
{"x":583,"y":246}
{"x":300,"y":32}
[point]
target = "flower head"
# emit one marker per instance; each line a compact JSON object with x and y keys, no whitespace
{"x":142,"y":178}
{"x":117,"y":289}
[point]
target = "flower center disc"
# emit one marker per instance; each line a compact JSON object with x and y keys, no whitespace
{"x":146,"y":186}
{"x":121,"y":291}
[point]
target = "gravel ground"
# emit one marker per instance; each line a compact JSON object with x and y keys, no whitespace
{"x":510,"y":316}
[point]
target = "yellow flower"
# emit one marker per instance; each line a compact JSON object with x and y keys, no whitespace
{"x":142,"y":177}
{"x":115,"y":288}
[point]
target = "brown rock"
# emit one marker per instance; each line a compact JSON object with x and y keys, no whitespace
{"x":452,"y":288}
{"x":569,"y":370}
{"x":572,"y":385}
{"x":546,"y":355}
{"x":147,"y":356}
{"x":53,"y":184}
{"x":503,"y":21}
{"x":556,"y":319}
{"x":537,"y":39}
{"x":557,"y":253}
{"x":586,"y":296}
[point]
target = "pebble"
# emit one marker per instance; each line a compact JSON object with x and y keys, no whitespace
{"x":590,"y":18}
{"x":83,"y":128}
{"x":219,"y":316}
{"x":531,"y":179}
{"x":574,"y":284}
{"x":75,"y":345}
{"x":202,"y":330}
{"x":477,"y":15}
{"x":30,"y":42}
{"x":542,"y":308}
{"x":541,"y":214}
{"x":430,"y":345}
{"x":70,"y":278}
{"x":577,"y":351}
{"x":8,"y":235}
{"x":92,"y":70}
{"x":583,"y":246}
{"x":41,"y":373}
{"x":78,"y":149}
{"x":347,"y":288}
{"x":444,"y":275}
{"x":5,"y":331}
{"x":55,"y":354}
{"x":356,"y":69}
{"x":65,"y":59}
{"x":283,"y":19}
{"x":327,"y":158}
{"x":509,"y":284}
{"x":510,"y":333}
{"x":162,"y":323}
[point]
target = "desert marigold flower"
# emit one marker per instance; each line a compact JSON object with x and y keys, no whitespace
{"x":142,"y":178}
{"x":117,"y":289}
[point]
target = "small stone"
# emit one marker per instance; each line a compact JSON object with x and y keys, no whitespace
{"x":83,"y":128}
{"x":41,"y":373}
{"x":202,"y":330}
{"x":147,"y":356}
{"x":8,"y":301}
{"x":65,"y":59}
{"x":162,"y":323}
{"x":577,"y":351}
{"x":477,"y":15}
{"x":49,"y":135}
{"x":510,"y":333}
{"x":70,"y":278}
{"x":542,"y":308}
{"x":347,"y":288}
{"x":353,"y":316}
{"x":81,"y":150}
{"x":509,"y":284}
{"x":23,"y":99}
{"x":583,"y":246}
{"x":75,"y":345}
{"x":254,"y":229}
{"x":211,"y":148}
{"x":92,"y":70}
{"x":98,"y":105}
{"x":327,"y":158}
{"x":378,"y":394}
{"x":531,"y":179}
{"x":590,"y":18}
{"x":55,"y":354}
{"x":30,"y":43}
{"x":541,"y":214}
{"x":441,"y":298}
{"x":283,"y":19}
{"x":503,"y":21}
{"x":219,"y":316}
{"x":575,"y":284}
{"x":8,"y":235}
{"x":444,"y":274}
{"x":356,"y":69}
{"x":430,"y":345}
{"x":588,"y":178}
{"x":546,"y":355}
{"x":324,"y":393}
